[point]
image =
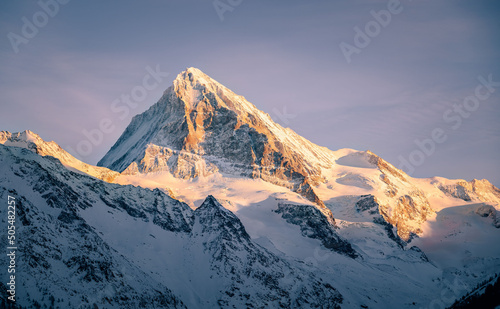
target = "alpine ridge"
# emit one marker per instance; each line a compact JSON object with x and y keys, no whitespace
{"x":205,"y":202}
{"x":199,"y":128}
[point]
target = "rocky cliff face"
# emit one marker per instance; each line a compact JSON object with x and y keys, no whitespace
{"x":475,"y":190}
{"x":395,"y":196}
{"x":489,"y":211}
{"x":316,"y":225}
{"x":199,"y":127}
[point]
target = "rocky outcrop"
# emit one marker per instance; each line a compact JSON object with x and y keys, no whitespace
{"x":403,"y":205}
{"x":410,"y":212}
{"x":367,"y":203}
{"x":314,"y":224}
{"x":475,"y":190}
{"x":180,"y":164}
{"x":488,"y":211}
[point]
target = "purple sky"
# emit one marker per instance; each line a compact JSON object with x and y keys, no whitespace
{"x":283,"y":56}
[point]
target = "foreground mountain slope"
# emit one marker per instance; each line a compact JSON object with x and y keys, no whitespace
{"x":59,"y":255}
{"x":276,"y":249}
{"x":128,"y":247}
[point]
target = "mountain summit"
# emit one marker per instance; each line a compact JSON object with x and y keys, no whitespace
{"x":199,"y":127}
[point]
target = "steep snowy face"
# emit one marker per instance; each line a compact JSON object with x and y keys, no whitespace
{"x":129,"y":247}
{"x":36,"y":144}
{"x":57,"y":242}
{"x":199,"y":127}
{"x":248,"y":273}
{"x":401,"y":204}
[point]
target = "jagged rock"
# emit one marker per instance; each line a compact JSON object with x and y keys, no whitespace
{"x":199,"y":127}
{"x":256,"y":276}
{"x":475,"y":190}
{"x":367,"y":202}
{"x":412,"y":209}
{"x":316,"y":225}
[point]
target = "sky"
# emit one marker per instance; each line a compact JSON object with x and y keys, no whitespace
{"x":416,"y":82}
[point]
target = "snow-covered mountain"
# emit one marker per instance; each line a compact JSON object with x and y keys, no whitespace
{"x":200,"y":128}
{"x":123,"y":246}
{"x":205,"y":202}
{"x":35,"y":143}
{"x":86,"y":242}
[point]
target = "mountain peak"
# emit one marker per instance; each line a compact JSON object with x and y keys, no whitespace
{"x":192,"y":75}
{"x":199,"y":126}
{"x":211,"y":203}
{"x":26,"y":136}
{"x":200,"y":93}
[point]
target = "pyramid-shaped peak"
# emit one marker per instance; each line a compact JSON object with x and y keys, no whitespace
{"x":211,"y":202}
{"x":193,"y":76}
{"x":194,"y":71}
{"x":193,"y":86}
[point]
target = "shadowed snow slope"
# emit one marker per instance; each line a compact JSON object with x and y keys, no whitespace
{"x":86,"y":242}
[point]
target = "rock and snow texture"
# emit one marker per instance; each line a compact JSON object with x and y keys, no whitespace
{"x":475,"y":190}
{"x":61,"y":257}
{"x":35,"y":143}
{"x":101,"y":238}
{"x":125,"y":246}
{"x":251,"y":275}
{"x":199,"y":127}
{"x":237,"y":211}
